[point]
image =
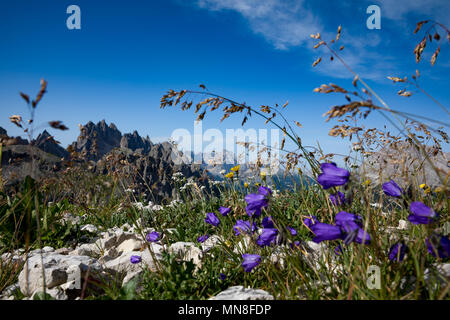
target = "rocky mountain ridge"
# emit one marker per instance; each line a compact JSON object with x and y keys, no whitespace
{"x":150,"y":166}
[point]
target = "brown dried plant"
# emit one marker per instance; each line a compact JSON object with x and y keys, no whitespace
{"x":28,"y":128}
{"x":212,"y":102}
{"x":413,"y":131}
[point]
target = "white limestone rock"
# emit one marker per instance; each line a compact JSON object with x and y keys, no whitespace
{"x":87,"y":249}
{"x":89,"y":228}
{"x":187,"y":251}
{"x":240,"y":293}
{"x":211,"y":242}
{"x":58,"y":269}
{"x":130,"y":245}
{"x":122,"y":264}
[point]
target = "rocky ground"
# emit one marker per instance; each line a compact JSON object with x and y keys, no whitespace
{"x":103,"y":255}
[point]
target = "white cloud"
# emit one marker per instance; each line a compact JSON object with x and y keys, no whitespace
{"x":289,"y":23}
{"x":283,"y":23}
{"x":399,"y":9}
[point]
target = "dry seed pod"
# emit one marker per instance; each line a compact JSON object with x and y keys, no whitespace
{"x":58,"y":125}
{"x":419,"y":49}
{"x":317,"y":62}
{"x":25,"y":97}
{"x":434,"y":56}
{"x":419,"y":26}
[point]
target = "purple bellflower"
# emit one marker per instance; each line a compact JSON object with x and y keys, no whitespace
{"x":332,"y":176}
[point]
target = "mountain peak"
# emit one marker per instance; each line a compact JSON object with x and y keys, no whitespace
{"x":46,"y":143}
{"x":97,"y":139}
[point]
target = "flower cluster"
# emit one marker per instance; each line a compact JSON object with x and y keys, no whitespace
{"x":256,"y":203}
{"x":438,"y":246}
{"x":349,"y":228}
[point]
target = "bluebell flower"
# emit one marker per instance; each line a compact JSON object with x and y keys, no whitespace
{"x":264,"y":191}
{"x":255,"y":204}
{"x":332,"y":176}
{"x":250,"y":261}
{"x":135,"y":259}
{"x":267,"y":237}
{"x":153,"y":236}
{"x":397,"y":252}
{"x":352,"y":228}
{"x":310,"y":221}
{"x":421,"y":214}
{"x":337,"y":199}
{"x":202,"y":239}
{"x":212,"y":219}
{"x":292,"y":231}
{"x":244,"y":226}
{"x":267,"y":222}
{"x":325,"y":231}
{"x":224,"y":211}
{"x":392,"y":189}
{"x":438,"y":246}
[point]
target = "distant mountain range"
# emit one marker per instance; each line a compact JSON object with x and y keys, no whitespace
{"x":405,"y":160}
{"x":99,"y":144}
{"x":156,"y":163}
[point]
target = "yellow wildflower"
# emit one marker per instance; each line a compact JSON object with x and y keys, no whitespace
{"x":245,"y":184}
{"x":427,"y":190}
{"x":236,"y":168}
{"x":422,"y":186}
{"x":438,"y":190}
{"x":230,"y":175}
{"x":367,"y":182}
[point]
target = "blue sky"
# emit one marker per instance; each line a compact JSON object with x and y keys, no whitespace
{"x":129,"y":53}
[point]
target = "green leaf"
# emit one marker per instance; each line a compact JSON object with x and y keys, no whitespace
{"x":40,"y":296}
{"x":128,"y":291}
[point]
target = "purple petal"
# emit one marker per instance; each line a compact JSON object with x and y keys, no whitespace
{"x":212,"y":219}
{"x":202,"y":239}
{"x":135,"y":259}
{"x":441,"y":246}
{"x":332,"y":176}
{"x":243,"y":226}
{"x":250,"y":261}
{"x":337,"y":199}
{"x":224,"y":211}
{"x":267,"y":222}
{"x":392,"y":189}
{"x":310,"y":221}
{"x":255,"y":203}
{"x":264,"y":191}
{"x":342,"y":217}
{"x":153,"y":236}
{"x":419,"y":209}
{"x":421,"y":214}
{"x":397,"y":252}
{"x":292,"y":231}
{"x":325,"y":231}
{"x":267,"y":237}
